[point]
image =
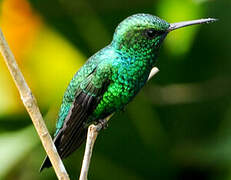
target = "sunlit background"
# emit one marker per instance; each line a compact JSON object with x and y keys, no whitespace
{"x":177,"y":128}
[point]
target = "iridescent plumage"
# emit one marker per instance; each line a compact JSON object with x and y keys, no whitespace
{"x":109,"y":79}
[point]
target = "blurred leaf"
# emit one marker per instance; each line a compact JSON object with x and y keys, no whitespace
{"x":103,"y":165}
{"x":14,"y":146}
{"x":179,"y":42}
{"x":46,"y":58}
{"x":20,"y":26}
{"x":7,"y":102}
{"x":77,"y":21}
{"x":50,"y":65}
{"x":146,"y":121}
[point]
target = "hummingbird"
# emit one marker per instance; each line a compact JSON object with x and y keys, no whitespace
{"x":111,"y":78}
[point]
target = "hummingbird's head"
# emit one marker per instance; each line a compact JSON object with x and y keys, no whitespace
{"x":142,"y":34}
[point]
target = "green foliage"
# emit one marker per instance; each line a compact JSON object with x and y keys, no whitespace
{"x":14,"y":146}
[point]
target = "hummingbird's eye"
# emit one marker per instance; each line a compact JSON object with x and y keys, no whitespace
{"x":151,"y":33}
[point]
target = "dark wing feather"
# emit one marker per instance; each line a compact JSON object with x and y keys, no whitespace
{"x":73,"y":133}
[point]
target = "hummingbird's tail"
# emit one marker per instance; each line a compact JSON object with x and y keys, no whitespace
{"x":74,"y":143}
{"x":46,"y":164}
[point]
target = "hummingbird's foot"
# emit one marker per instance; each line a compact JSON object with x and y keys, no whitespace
{"x":103,"y":123}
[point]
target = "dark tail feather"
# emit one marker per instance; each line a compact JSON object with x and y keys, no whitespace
{"x":70,"y":146}
{"x":46,"y":164}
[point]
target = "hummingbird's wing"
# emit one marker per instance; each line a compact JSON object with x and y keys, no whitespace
{"x":74,"y":132}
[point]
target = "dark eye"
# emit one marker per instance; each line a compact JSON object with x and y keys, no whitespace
{"x":151,"y":33}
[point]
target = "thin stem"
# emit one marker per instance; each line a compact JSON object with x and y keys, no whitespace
{"x":32,"y":108}
{"x":92,"y":134}
{"x":93,"y":131}
{"x":91,"y":137}
{"x":153,"y":72}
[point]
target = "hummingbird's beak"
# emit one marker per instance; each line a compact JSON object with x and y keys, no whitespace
{"x":178,"y":25}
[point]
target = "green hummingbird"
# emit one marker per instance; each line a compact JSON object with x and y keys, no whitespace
{"x":111,"y":78}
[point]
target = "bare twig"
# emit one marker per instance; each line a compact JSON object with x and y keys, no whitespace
{"x":92,"y":134}
{"x":153,"y":72}
{"x":30,"y":103}
{"x":91,"y":137}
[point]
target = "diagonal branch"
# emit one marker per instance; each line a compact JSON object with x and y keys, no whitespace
{"x":31,"y":106}
{"x":92,"y":134}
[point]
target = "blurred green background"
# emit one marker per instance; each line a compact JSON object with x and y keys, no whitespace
{"x":178,"y":127}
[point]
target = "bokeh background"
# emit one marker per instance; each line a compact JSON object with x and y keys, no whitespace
{"x":178,"y":127}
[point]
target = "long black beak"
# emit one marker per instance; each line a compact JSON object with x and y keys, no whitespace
{"x":178,"y":25}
